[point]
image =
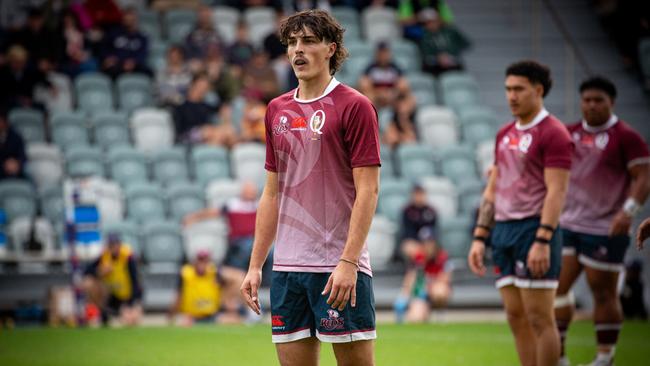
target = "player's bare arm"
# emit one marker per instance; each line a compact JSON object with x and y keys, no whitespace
{"x":643,"y":233}
{"x":484,"y":224}
{"x":266,"y":224}
{"x":639,"y":190}
{"x":557,"y":184}
{"x":341,"y":285}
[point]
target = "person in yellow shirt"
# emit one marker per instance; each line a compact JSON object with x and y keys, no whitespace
{"x":202,"y":295}
{"x":112,"y":284}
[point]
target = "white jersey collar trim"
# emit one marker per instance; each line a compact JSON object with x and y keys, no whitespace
{"x":333,"y":84}
{"x":538,"y":118}
{"x":613,"y":119}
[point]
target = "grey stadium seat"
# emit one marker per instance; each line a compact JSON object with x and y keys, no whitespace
{"x":30,"y":123}
{"x":248,"y":163}
{"x":17,"y":198}
{"x":127,"y":165}
{"x":381,"y":241}
{"x":84,"y":161}
{"x":152,"y":129}
{"x":393,"y":197}
{"x":110,"y":129}
{"x":209,"y":163}
{"x":170,"y":165}
{"x":134,"y":91}
{"x":69,"y":129}
{"x":220,"y":191}
{"x":184,"y":198}
{"x":458,"y":164}
{"x":415,"y":161}
{"x":145,"y":202}
{"x":94,"y":92}
{"x":44,"y":164}
{"x":456,"y":236}
{"x":442,"y":195}
{"x":179,"y":23}
{"x":52,"y":204}
{"x":470,"y":193}
{"x":209,"y":235}
{"x":437,"y":126}
{"x":162,"y":243}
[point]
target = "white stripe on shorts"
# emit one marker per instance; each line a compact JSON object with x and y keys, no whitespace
{"x":536,"y":284}
{"x":347,"y":337}
{"x":290,"y":337}
{"x":505,"y":281}
{"x":603,"y":266}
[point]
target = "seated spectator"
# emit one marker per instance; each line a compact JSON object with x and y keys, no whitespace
{"x":441,"y":45}
{"x":18,"y":80}
{"x":43,"y":46}
{"x":12,"y":150}
{"x":418,"y":216}
{"x":430,"y":281}
{"x":112,"y":284}
{"x":260,"y":77}
{"x":203,"y":36}
{"x":193,"y":118}
{"x":206,"y":293}
{"x":127,"y":48}
{"x":240,"y":51}
{"x":173,"y":80}
{"x":383,"y":82}
{"x":252,"y":122}
{"x":77,"y":57}
{"x":220,"y":74}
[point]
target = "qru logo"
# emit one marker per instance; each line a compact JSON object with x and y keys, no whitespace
{"x":317,"y":122}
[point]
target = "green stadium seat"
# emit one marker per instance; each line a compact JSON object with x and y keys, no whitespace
{"x":127,"y":165}
{"x":456,"y":236}
{"x":394,"y":194}
{"x":415,"y":161}
{"x":94,"y":92}
{"x":69,"y":129}
{"x":184,"y":198}
{"x":129,"y":233}
{"x":209,"y":163}
{"x":170,"y":165}
{"x":84,"y":161}
{"x":17,"y":199}
{"x":134,"y":91}
{"x":30,"y":124}
{"x":458,"y":163}
{"x":162,"y":243}
{"x":110,"y":130}
{"x":144,"y":202}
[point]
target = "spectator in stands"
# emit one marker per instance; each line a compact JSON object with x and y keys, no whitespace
{"x":277,"y":53}
{"x":112,"y":283}
{"x":418,"y":217}
{"x":104,"y":14}
{"x":219,"y":72}
{"x":43,"y":46}
{"x":260,"y":77}
{"x":206,"y":293}
{"x":441,"y":45}
{"x":164,"y":5}
{"x":174,"y":80}
{"x":18,"y":80}
{"x":430,"y":281}
{"x":12,"y":150}
{"x":127,"y":48}
{"x":77,"y":58}
{"x":240,"y":51}
{"x":252,"y":122}
{"x":203,"y":36}
{"x":193,"y":118}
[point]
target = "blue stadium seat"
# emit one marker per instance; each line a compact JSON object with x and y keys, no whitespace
{"x":17,"y":199}
{"x":69,"y":129}
{"x":184,"y":198}
{"x":209,"y":163}
{"x":134,"y":91}
{"x":30,"y":124}
{"x":144,"y":202}
{"x":84,"y":161}
{"x":127,"y":165}
{"x":110,"y":130}
{"x":170,"y":165}
{"x":394,"y":194}
{"x":415,"y":161}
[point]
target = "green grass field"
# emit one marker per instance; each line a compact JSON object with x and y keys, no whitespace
{"x":434,"y":344}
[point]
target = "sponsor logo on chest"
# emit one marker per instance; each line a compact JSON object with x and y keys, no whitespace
{"x":514,"y":142}
{"x":316,"y":123}
{"x":599,"y":140}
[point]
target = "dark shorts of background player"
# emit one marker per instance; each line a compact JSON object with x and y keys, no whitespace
{"x":599,"y":252}
{"x":511,"y":241}
{"x":298,"y":310}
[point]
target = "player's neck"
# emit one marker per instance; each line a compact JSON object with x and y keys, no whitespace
{"x":313,"y":88}
{"x":529,"y":117}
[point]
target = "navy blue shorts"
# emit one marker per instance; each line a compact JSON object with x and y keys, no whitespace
{"x":600,"y":252}
{"x":298,"y":310}
{"x":511,"y":241}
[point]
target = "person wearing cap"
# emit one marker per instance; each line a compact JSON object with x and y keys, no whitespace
{"x":112,"y":284}
{"x":202,"y":293}
{"x":441,"y":44}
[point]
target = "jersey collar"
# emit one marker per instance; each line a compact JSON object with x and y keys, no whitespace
{"x":613,"y":119}
{"x":333,"y":84}
{"x":538,"y":118}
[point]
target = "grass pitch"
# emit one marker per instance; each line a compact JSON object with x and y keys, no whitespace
{"x":432,"y":344}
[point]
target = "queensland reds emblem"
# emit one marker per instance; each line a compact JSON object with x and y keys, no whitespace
{"x":317,"y":122}
{"x":524,"y":142}
{"x":281,"y":127}
{"x":333,"y":321}
{"x":601,"y":140}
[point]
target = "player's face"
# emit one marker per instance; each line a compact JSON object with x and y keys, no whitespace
{"x":523,"y":96}
{"x":308,"y":55}
{"x":596,"y":106}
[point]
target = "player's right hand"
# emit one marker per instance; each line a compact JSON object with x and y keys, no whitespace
{"x":539,"y":259}
{"x":642,"y":233}
{"x":475,"y":257}
{"x":249,"y":288}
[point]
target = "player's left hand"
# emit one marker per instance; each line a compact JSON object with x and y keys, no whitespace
{"x":342,"y":286}
{"x":621,"y":224}
{"x":539,"y":259}
{"x":642,"y":233}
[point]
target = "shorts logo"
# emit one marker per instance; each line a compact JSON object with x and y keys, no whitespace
{"x":316,"y":124}
{"x":601,"y":140}
{"x":276,"y":321}
{"x":299,"y":124}
{"x":281,"y":127}
{"x":525,"y":142}
{"x":520,"y":269}
{"x":333,"y":321}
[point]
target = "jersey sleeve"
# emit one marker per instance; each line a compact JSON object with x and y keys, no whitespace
{"x":557,"y":147}
{"x":635,"y":149}
{"x":498,"y":139}
{"x":270,"y":163}
{"x":362,"y":134}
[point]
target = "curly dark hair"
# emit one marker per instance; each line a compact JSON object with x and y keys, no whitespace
{"x":599,"y":83}
{"x":535,"y":72}
{"x":324,"y":27}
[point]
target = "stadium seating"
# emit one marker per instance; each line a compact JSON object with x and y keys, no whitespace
{"x":52,"y":204}
{"x":129,"y":233}
{"x":442,"y":195}
{"x":380,"y":23}
{"x":209,"y":163}
{"x":69,"y":129}
{"x":210,"y":235}
{"x":261,"y":21}
{"x":93,"y":92}
{"x":478,"y":124}
{"x":184,"y":198}
{"x":393,"y":197}
{"x":152,"y":129}
{"x":458,"y":163}
{"x":134,"y":91}
{"x":469,"y":195}
{"x":17,"y":199}
{"x":415,"y":161}
{"x":179,"y":23}
{"x":225,"y":21}
{"x":20,"y":231}
{"x":84,"y":161}
{"x":354,"y":68}
{"x":485,"y":156}
{"x":218,"y":192}
{"x":149,"y":24}
{"x":61,"y":101}
{"x":162,"y":246}
{"x":110,"y":130}
{"x":459,"y":89}
{"x":345,"y":15}
{"x":144,"y":202}
{"x":44,"y":164}
{"x":29,"y":123}
{"x":387,"y":169}
{"x":170,"y":165}
{"x":456,"y":236}
{"x":110,"y":202}
{"x":437,"y":126}
{"x":644,"y":56}
{"x":423,"y":86}
{"x":247,"y":162}
{"x":381,"y":242}
{"x":127,"y":165}
{"x":157,"y":52}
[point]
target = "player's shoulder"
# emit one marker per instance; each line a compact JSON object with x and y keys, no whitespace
{"x":346,"y":95}
{"x":553,"y":125}
{"x":506,"y":127}
{"x":625,"y":129}
{"x":575,"y":126}
{"x":282,"y":99}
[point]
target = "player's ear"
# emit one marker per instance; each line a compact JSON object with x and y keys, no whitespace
{"x":539,"y":89}
{"x":332,"y":50}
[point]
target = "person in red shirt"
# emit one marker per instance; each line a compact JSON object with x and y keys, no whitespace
{"x":521,"y":208}
{"x":608,"y":186}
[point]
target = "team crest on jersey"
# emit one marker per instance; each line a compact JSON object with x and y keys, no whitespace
{"x":316,"y":124}
{"x":282,"y":126}
{"x":601,"y":140}
{"x":524,"y":142}
{"x":333,"y":321}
